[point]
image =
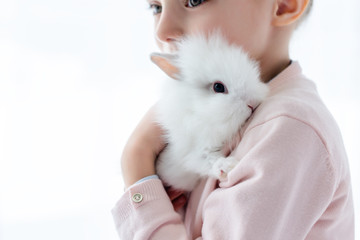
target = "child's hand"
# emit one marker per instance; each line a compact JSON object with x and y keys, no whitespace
{"x":177,"y":197}
{"x":142,"y":149}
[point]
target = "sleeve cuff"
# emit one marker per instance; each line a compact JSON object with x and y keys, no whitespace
{"x":147,"y":178}
{"x":139,"y":195}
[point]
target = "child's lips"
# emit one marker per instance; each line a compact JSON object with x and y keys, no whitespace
{"x":170,"y":47}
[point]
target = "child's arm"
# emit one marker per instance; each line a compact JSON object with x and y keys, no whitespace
{"x":146,"y":208}
{"x":287,"y":185}
{"x":141,"y":150}
{"x":282,"y":188}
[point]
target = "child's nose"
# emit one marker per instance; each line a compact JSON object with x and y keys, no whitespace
{"x":170,"y":27}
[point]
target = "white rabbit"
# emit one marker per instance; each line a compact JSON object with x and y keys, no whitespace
{"x":214,"y":89}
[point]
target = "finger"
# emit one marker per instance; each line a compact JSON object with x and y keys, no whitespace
{"x":179,"y":202}
{"x":174,"y":195}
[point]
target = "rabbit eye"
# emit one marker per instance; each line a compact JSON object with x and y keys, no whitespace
{"x":219,"y":87}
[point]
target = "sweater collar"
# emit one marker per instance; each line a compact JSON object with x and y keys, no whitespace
{"x":294,"y":70}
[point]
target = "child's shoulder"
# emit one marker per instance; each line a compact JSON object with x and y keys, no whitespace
{"x":294,"y":96}
{"x":294,"y":102}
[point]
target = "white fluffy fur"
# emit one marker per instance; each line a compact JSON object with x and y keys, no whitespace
{"x":198,"y":121}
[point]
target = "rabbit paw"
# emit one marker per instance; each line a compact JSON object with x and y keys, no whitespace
{"x":223,"y":166}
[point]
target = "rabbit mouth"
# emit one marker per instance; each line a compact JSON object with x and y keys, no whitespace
{"x":252,"y":108}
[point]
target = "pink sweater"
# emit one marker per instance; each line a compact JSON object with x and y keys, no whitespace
{"x":292,"y":180}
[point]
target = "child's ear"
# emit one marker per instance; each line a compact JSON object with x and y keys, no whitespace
{"x":288,"y":11}
{"x":166,"y":63}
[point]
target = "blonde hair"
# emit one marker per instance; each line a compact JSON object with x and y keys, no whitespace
{"x":305,"y":14}
{"x":308,"y":9}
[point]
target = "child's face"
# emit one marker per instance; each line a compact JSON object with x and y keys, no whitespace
{"x":244,"y":22}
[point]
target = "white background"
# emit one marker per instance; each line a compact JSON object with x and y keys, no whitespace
{"x":75,"y":78}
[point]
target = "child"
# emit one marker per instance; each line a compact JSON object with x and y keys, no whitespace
{"x":292,"y":180}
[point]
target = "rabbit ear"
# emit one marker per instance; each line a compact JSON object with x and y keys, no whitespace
{"x":166,"y":62}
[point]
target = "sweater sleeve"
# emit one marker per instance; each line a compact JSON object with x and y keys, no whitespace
{"x":146,"y":212}
{"x":283,"y":183}
{"x":279,"y":189}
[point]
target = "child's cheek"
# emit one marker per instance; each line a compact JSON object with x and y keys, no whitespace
{"x":238,"y":26}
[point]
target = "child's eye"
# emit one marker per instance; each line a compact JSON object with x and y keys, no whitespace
{"x":156,"y":9}
{"x":193,"y":3}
